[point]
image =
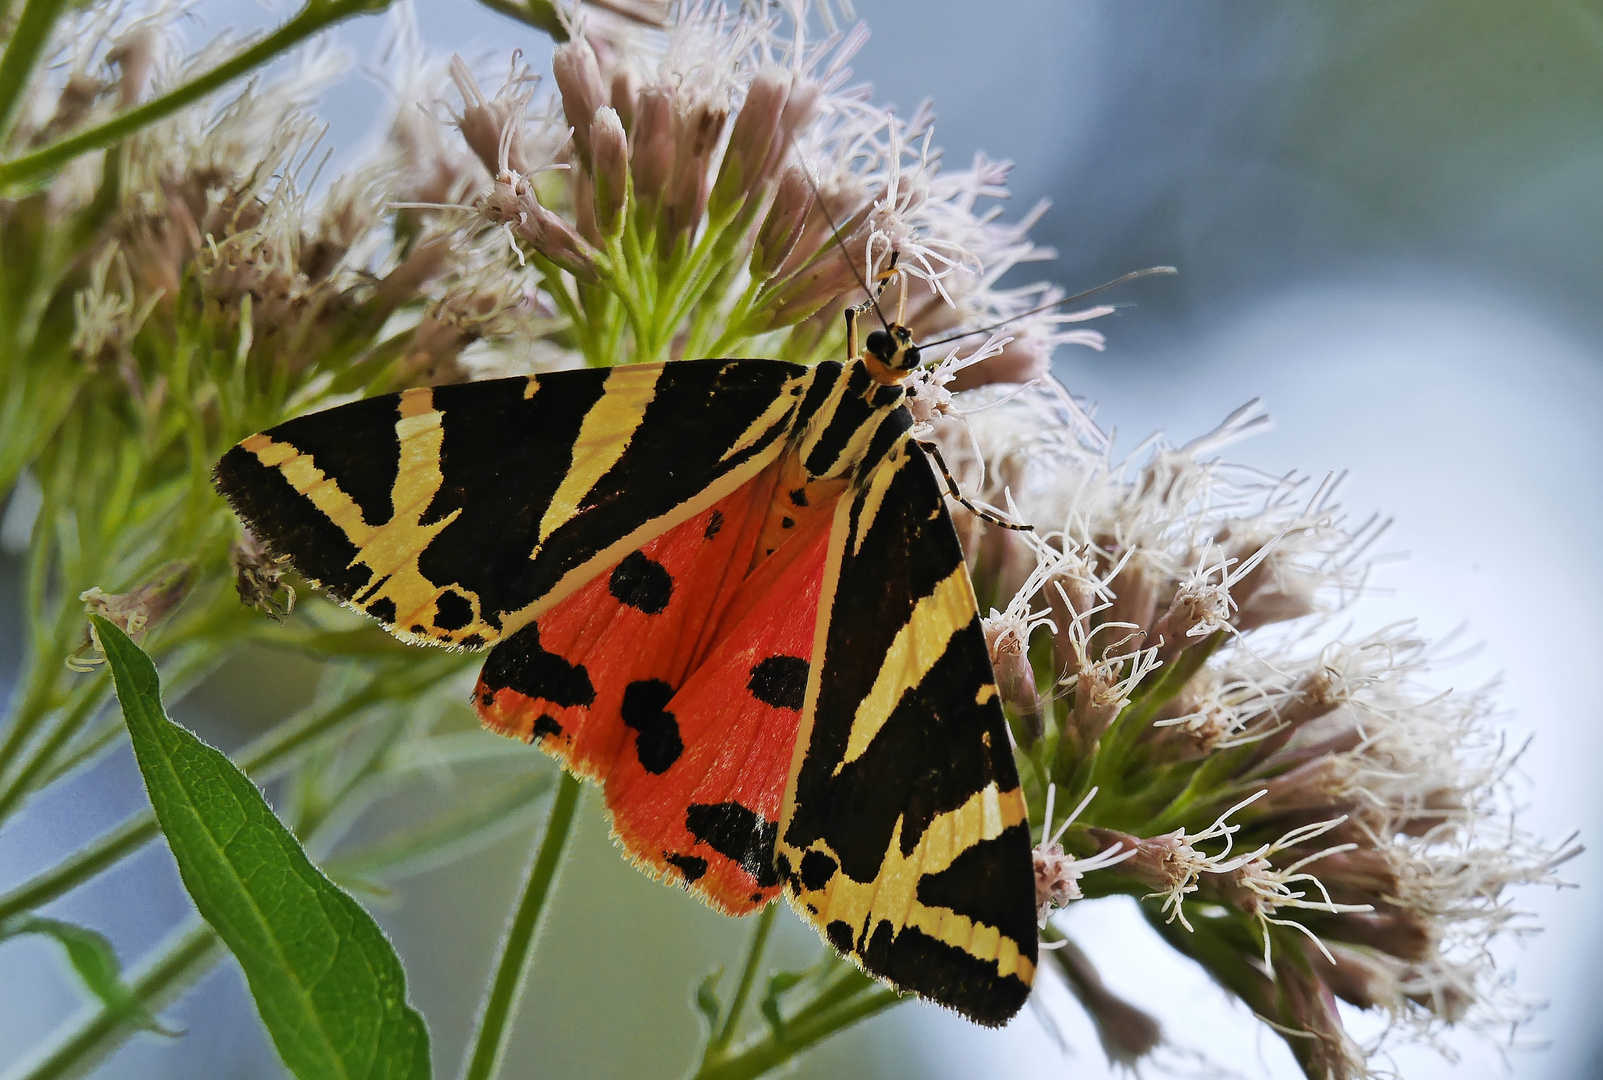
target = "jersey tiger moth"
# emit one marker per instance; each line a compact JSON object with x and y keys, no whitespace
{"x":730,"y":592}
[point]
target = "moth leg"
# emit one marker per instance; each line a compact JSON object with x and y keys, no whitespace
{"x":934,"y":451}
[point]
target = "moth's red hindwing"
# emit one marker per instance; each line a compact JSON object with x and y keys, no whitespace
{"x":639,"y":681}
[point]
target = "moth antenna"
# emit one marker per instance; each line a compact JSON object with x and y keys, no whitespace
{"x":834,"y":232}
{"x":1131,"y":276}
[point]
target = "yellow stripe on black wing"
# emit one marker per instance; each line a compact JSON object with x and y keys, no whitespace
{"x":456,"y":514}
{"x":903,"y":837}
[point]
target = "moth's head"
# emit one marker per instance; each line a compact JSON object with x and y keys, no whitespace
{"x":891,"y":353}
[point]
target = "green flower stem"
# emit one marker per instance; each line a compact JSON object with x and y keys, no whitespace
{"x":500,"y":1006}
{"x":316,"y":16}
{"x":772,"y":1050}
{"x":81,"y":1044}
{"x":748,"y":978}
{"x":22,"y":54}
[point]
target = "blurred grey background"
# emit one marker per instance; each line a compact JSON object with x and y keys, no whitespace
{"x":1387,"y":220}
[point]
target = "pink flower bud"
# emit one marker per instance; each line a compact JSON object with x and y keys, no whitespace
{"x":624,"y":94}
{"x":697,"y":130}
{"x":609,"y":149}
{"x":757,"y":126}
{"x":787,"y":216}
{"x":578,"y":77}
{"x":651,"y":162}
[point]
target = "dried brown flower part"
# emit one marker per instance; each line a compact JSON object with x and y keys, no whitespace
{"x":136,"y":612}
{"x":259,"y":578}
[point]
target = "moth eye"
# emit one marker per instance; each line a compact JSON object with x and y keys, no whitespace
{"x":879,"y":344}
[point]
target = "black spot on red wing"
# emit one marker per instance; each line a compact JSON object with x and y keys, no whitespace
{"x":472,"y":641}
{"x":519,"y":663}
{"x":799,"y":497}
{"x":780,"y":681}
{"x":641,"y":583}
{"x":691,"y":866}
{"x":816,"y":870}
{"x":738,"y":834}
{"x":544,"y":726}
{"x":382,"y":609}
{"x":657,"y":742}
{"x":787,"y":523}
{"x":452,"y":611}
{"x":715,"y":524}
{"x":839,"y":933}
{"x":756,"y":897}
{"x":487,"y":698}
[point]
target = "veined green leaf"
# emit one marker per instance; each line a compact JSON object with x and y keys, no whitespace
{"x":327,"y":982}
{"x":95,"y":961}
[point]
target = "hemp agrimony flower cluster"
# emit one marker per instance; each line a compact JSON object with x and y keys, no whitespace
{"x":1300,"y":813}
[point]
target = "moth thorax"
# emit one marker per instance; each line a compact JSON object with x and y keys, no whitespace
{"x":890,"y":354}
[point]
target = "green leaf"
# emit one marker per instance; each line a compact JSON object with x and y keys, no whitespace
{"x":327,"y":982}
{"x":778,"y":985}
{"x":707,"y":1002}
{"x":95,"y":961}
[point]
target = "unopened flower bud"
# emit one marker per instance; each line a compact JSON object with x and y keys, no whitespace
{"x":578,"y":77}
{"x":787,"y":216}
{"x":757,"y":125}
{"x":624,"y":94}
{"x":609,"y":148}
{"x":697,"y":130}
{"x":1306,"y":1006}
{"x":1015,"y":678}
{"x":651,"y":160}
{"x":1402,"y":934}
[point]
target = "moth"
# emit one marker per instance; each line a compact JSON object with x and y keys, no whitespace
{"x":730,"y":592}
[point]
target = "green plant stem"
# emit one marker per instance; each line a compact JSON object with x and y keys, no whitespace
{"x":760,"y":1055}
{"x":80,"y":1044}
{"x":316,"y":16}
{"x":22,"y":54}
{"x":748,"y":978}
{"x":105,"y":851}
{"x":489,"y":1041}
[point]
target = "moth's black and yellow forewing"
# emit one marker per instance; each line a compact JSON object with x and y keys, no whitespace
{"x":904,"y":838}
{"x":455,"y":514}
{"x":598,"y":504}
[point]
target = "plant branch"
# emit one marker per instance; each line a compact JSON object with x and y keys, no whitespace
{"x":748,"y":978}
{"x":187,"y":954}
{"x":500,"y":1006}
{"x":316,"y":16}
{"x":761,"y":1055}
{"x":22,"y":55}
